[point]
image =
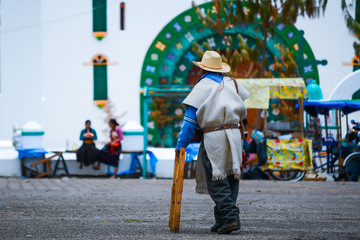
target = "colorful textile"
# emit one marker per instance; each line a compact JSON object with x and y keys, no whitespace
{"x":288,"y":154}
{"x":280,"y":88}
{"x":259,"y":97}
{"x":116,"y":135}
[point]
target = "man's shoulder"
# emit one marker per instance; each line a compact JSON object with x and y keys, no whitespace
{"x":202,"y":90}
{"x":206,"y":83}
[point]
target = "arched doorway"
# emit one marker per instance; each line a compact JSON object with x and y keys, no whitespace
{"x":168,"y":64}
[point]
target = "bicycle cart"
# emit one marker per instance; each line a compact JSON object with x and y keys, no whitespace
{"x":342,"y":157}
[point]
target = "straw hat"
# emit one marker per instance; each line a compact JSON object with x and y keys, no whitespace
{"x":212,"y":62}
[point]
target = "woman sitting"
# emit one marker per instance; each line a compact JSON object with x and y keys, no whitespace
{"x":87,"y":153}
{"x":110,"y":153}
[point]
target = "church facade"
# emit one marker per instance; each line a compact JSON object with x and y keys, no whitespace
{"x":63,"y":62}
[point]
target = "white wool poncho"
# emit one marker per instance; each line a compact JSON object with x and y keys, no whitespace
{"x":219,"y":104}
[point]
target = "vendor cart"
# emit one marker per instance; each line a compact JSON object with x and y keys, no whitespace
{"x":288,"y":152}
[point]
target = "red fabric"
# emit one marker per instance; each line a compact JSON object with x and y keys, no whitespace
{"x":112,"y":146}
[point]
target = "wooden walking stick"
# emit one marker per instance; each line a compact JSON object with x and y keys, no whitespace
{"x":176,"y":191}
{"x":172,"y":203}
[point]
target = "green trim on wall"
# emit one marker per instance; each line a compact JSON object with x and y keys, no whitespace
{"x":357,"y":11}
{"x":356,"y":95}
{"x":99,"y":18}
{"x":175,"y":40}
{"x":133,"y":133}
{"x":100,"y":82}
{"x":32,"y":133}
{"x":357,"y":18}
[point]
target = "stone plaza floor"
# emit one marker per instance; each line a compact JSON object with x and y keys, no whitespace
{"x":93,"y":208}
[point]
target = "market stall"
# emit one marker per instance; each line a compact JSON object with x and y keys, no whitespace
{"x":276,"y":99}
{"x":277,"y":96}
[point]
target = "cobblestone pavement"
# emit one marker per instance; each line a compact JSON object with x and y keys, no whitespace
{"x":139,"y":209}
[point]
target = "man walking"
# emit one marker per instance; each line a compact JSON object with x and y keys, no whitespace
{"x":216,"y":106}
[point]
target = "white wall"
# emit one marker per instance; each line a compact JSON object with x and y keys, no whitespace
{"x":329,"y":39}
{"x":61,"y":42}
{"x":45,"y":42}
{"x":345,"y":89}
{"x":21,"y":64}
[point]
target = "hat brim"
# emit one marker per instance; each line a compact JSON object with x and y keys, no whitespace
{"x":225,"y":68}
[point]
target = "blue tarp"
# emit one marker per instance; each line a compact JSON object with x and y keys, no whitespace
{"x":134,"y":164}
{"x":192,"y":151}
{"x":322,"y":107}
{"x":31,"y":152}
{"x":351,"y":107}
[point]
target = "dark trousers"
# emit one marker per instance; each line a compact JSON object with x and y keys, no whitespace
{"x":223,"y":192}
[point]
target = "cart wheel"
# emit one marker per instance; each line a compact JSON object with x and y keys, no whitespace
{"x":295,"y":175}
{"x":299,"y":176}
{"x":350,"y":163}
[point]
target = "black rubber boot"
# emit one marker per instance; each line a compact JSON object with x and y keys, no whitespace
{"x":215,"y":228}
{"x":218,"y":220}
{"x":228,"y":228}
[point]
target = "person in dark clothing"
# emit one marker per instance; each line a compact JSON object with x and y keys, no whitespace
{"x":87,"y":153}
{"x":353,"y":135}
{"x":110,"y":153}
{"x":355,"y":173}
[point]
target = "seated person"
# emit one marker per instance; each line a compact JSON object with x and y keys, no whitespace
{"x":354,"y":135}
{"x":111,"y":152}
{"x":87,"y":153}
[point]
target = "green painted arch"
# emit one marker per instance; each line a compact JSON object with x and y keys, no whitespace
{"x":168,"y":61}
{"x":175,"y":40}
{"x":356,"y":95}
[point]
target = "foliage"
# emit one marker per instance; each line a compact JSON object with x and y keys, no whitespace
{"x":160,"y":114}
{"x":266,"y":13}
{"x":287,"y":66}
{"x":351,"y":23}
{"x":244,"y":61}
